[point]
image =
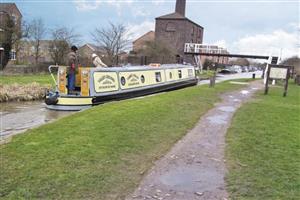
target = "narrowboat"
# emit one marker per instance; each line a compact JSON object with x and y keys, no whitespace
{"x":95,"y":86}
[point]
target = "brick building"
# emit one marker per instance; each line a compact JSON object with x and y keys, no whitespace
{"x":140,"y":43}
{"x":27,"y":51}
{"x":174,"y":30}
{"x":8,"y":11}
{"x":88,"y":49}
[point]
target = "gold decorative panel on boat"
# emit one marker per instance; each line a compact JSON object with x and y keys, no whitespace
{"x":106,"y":82}
{"x":62,"y":80}
{"x":84,"y":82}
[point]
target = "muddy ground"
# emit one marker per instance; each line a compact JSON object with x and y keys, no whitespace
{"x":195,"y":167}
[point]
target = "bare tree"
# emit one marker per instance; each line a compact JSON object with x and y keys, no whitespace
{"x":21,"y":35}
{"x":62,"y":39}
{"x":208,"y":63}
{"x":293,"y":61}
{"x":37,"y":33}
{"x":158,"y":52}
{"x":240,"y":61}
{"x":113,"y":40}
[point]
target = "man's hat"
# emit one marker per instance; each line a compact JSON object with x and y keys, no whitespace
{"x":74,"y":48}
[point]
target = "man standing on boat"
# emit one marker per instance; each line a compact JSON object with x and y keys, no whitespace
{"x":97,"y":61}
{"x":73,"y":63}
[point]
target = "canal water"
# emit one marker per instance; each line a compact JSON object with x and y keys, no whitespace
{"x":17,"y":117}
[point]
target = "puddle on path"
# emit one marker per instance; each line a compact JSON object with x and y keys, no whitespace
{"x":238,"y":83}
{"x":185,"y":178}
{"x":218,"y":119}
{"x":245,"y":92}
{"x":227,"y":108}
{"x":17,"y":117}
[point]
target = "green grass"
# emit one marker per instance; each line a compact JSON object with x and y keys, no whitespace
{"x":44,"y":79}
{"x":263,"y":147}
{"x":103,"y":152}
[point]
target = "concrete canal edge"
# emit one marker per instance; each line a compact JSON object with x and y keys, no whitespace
{"x":195,"y":167}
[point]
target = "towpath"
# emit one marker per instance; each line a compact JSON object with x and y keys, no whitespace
{"x":195,"y":167}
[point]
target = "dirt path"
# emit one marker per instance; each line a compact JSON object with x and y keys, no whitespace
{"x":195,"y":167}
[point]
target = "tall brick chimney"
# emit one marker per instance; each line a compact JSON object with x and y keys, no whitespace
{"x":180,"y":7}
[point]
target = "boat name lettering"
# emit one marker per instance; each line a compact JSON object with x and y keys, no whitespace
{"x":134,"y":83}
{"x":107,"y":86}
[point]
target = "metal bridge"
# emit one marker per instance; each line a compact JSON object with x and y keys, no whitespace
{"x":208,"y":50}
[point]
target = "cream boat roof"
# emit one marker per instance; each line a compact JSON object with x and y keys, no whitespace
{"x":139,"y":68}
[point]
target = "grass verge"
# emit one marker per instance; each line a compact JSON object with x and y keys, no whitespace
{"x":43,"y":79}
{"x":103,"y":152}
{"x":263,"y":147}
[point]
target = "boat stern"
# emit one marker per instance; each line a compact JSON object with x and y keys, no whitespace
{"x":54,"y":101}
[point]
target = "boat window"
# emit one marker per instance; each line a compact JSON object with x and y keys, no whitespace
{"x":171,"y":75}
{"x":142,"y":79}
{"x":179,"y":74}
{"x":157,"y":76}
{"x":190,"y":72}
{"x":123,"y":81}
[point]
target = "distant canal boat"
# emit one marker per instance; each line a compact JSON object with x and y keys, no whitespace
{"x":99,"y":85}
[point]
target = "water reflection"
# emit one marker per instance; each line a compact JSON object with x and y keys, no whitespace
{"x":17,"y":117}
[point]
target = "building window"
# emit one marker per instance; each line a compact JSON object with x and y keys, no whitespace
{"x":12,"y":55}
{"x":170,"y":27}
{"x":171,"y":76}
{"x":14,"y":19}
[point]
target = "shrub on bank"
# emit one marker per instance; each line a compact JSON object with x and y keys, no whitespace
{"x":21,"y":92}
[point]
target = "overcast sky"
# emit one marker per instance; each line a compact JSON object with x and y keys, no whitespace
{"x":242,"y":26}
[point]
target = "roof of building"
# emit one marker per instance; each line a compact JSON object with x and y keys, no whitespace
{"x":93,"y":47}
{"x":149,"y":32}
{"x":176,"y":16}
{"x":4,"y":7}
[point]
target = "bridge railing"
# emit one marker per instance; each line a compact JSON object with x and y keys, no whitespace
{"x":202,"y":48}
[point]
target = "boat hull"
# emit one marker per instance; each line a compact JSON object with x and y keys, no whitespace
{"x":137,"y":93}
{"x":75,"y":103}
